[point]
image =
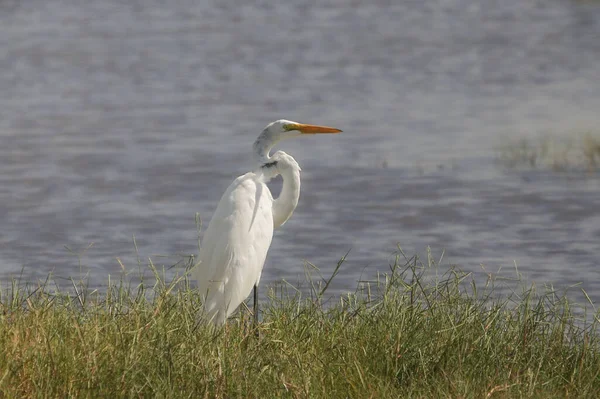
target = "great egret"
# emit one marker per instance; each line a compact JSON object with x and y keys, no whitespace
{"x":235,"y":244}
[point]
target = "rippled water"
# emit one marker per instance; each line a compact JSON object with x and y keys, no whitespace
{"x":120,"y":120}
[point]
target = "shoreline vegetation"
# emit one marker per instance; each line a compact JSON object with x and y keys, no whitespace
{"x":578,"y":152}
{"x":406,"y":334}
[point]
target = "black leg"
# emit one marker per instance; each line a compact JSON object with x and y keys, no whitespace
{"x":255,"y":305}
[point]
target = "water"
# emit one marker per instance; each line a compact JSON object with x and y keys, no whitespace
{"x":125,"y":120}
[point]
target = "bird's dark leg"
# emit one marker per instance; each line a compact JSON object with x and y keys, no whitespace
{"x":255,"y":305}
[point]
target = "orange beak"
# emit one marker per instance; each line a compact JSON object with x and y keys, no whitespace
{"x":314,"y":129}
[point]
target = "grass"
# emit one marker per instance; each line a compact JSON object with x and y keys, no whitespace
{"x":403,"y":335}
{"x":580,"y":152}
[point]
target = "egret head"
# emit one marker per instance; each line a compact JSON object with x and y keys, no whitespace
{"x":284,"y":129}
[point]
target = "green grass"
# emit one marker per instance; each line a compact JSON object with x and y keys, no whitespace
{"x":404,"y":335}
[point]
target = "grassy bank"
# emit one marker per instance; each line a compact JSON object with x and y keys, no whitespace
{"x":402,"y":336}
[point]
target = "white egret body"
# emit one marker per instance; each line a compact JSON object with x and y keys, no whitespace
{"x":236,"y":242}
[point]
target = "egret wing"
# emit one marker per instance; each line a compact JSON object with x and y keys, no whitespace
{"x":235,"y":246}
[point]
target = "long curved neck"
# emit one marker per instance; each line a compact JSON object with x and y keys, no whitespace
{"x":263,"y":144}
{"x":284,"y":205}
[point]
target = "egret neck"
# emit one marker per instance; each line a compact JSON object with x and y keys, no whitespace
{"x":263,"y":144}
{"x":284,"y":205}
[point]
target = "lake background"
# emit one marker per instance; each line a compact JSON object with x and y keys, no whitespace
{"x":122,"y":119}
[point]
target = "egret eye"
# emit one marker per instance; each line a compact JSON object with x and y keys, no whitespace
{"x":287,"y":127}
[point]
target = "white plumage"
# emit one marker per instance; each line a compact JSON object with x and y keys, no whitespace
{"x":238,"y":237}
{"x":235,"y":246}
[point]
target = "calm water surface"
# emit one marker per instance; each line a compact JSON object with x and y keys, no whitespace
{"x":125,"y":120}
